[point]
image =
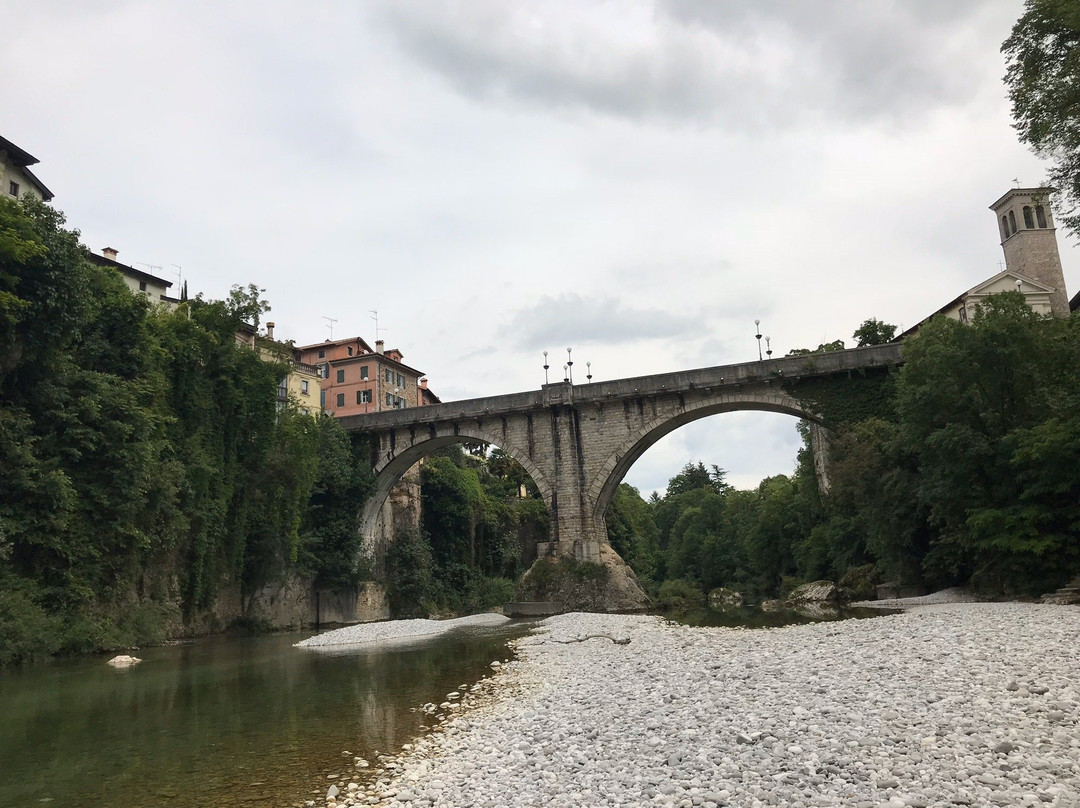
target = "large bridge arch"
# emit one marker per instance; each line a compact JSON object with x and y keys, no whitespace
{"x":391,"y":466}
{"x":616,"y":466}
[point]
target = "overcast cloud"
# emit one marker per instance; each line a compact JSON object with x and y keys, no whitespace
{"x":636,"y":179}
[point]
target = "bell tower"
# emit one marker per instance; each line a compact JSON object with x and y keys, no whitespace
{"x":1029,"y":240}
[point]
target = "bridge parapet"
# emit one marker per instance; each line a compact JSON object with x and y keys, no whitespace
{"x":783,"y":368}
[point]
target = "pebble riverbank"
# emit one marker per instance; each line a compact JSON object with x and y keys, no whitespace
{"x":957,"y":704}
{"x":397,"y":630}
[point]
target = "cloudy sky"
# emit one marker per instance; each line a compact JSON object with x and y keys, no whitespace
{"x":636,"y":179}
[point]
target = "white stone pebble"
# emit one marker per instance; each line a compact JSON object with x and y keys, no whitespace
{"x":914,"y":709}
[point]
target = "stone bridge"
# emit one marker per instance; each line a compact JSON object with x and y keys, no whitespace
{"x":577,"y":442}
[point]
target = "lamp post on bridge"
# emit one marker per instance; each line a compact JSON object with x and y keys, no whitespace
{"x":768,"y":347}
{"x":757,"y":326}
{"x":569,"y":367}
{"x":546,"y":366}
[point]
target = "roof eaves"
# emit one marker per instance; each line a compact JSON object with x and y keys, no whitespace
{"x":46,"y":194}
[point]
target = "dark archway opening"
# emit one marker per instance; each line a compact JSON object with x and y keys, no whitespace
{"x":466,"y":519}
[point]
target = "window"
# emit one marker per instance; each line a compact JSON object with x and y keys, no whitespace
{"x":340,"y":376}
{"x":389,"y":400}
{"x":304,"y":386}
{"x":142,"y":286}
{"x":1004,"y":228}
{"x":350,"y":350}
{"x":400,"y":380}
{"x":363,"y":396}
{"x":283,"y":389}
{"x":13,"y":188}
{"x":1029,"y":221}
{"x":363,"y":372}
{"x":963,"y":314}
{"x":1040,"y":215}
{"x":324,"y":370}
{"x":389,"y":376}
{"x":1012,"y":221}
{"x":322,"y":354}
{"x":322,"y":399}
{"x":341,"y":399}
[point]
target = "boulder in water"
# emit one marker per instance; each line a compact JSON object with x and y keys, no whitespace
{"x":124,"y":661}
{"x":723,"y":599}
{"x":814,"y":592}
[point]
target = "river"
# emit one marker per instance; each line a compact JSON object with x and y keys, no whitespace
{"x":221,"y":721}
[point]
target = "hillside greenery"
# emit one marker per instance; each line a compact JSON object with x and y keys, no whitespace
{"x":146,"y":463}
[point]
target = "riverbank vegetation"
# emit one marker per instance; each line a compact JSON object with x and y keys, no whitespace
{"x":146,"y":463}
{"x":479,"y":513}
{"x":966,"y":472}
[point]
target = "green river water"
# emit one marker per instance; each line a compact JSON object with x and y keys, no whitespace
{"x":223,"y":721}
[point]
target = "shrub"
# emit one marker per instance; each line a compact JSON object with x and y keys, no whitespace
{"x":27,"y":632}
{"x":680,"y":594}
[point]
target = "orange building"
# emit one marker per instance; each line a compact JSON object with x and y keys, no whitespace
{"x":357,"y":379}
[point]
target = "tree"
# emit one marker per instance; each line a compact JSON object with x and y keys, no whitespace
{"x":247,"y":305}
{"x":825,"y":347}
{"x":873,"y":332}
{"x":989,"y":411}
{"x":697,"y":476}
{"x":1043,"y":77}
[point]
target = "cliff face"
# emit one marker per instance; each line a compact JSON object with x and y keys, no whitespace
{"x":606,"y":585}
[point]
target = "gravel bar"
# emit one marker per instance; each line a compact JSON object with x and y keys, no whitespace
{"x":957,"y":704}
{"x":390,"y":630}
{"x":953,"y":595}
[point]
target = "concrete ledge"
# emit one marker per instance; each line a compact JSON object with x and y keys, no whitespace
{"x":532,"y":608}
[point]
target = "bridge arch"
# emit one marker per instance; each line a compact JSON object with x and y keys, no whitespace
{"x":392,"y":465}
{"x":615,"y":467}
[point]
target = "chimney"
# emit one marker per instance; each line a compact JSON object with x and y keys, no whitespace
{"x":269,"y":330}
{"x":109,"y":253}
{"x":423,"y":384}
{"x":379,"y":345}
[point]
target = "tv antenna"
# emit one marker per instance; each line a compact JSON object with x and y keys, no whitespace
{"x":330,"y":324}
{"x":375,"y":317}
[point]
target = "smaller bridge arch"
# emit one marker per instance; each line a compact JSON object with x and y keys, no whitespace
{"x":396,"y":458}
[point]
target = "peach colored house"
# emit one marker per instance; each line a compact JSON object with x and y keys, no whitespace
{"x":357,"y":379}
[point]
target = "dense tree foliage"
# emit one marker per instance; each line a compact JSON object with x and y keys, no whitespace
{"x":477,"y":528}
{"x":974,"y":477}
{"x":145,"y":461}
{"x":873,"y":332}
{"x":1043,"y":77}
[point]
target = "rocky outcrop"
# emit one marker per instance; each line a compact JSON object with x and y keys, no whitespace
{"x":1068,"y":595}
{"x":723,"y":599}
{"x":859,"y":582}
{"x":814,"y":592}
{"x":605,"y":585}
{"x":817,"y":599}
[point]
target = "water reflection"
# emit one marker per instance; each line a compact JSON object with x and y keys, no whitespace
{"x":223,"y":721}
